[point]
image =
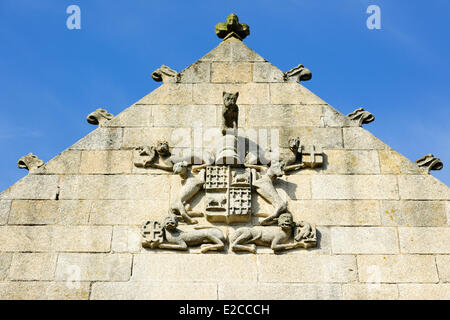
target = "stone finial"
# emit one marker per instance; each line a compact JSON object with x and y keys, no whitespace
{"x":165,"y":74}
{"x":30,"y":162}
{"x":232,"y":28}
{"x":362,"y":116}
{"x":297,"y":74}
{"x":99,"y":117}
{"x":430,"y":162}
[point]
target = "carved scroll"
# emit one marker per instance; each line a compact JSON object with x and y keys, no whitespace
{"x":30,"y":162}
{"x":430,"y":162}
{"x":362,"y":116}
{"x":298,"y":74}
{"x":99,"y":117}
{"x":165,"y":74}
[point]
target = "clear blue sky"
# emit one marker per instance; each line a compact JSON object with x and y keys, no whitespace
{"x":52,"y":77}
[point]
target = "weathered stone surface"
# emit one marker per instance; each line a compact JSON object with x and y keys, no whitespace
{"x":351,"y":162}
{"x":197,"y":72}
{"x":327,"y":138}
{"x":397,"y":268}
{"x":106,"y":161}
{"x":297,"y":187}
{"x":443,"y":265}
{"x":392,"y":162}
{"x":306,"y":268}
{"x":154,"y":291}
{"x":176,"y":137}
{"x":30,"y":162}
{"x":414,"y":213}
{"x":99,"y":117}
{"x":68,"y":162}
{"x":157,"y":267}
{"x":5,"y":207}
{"x":33,"y":266}
{"x":359,"y":138}
{"x":98,"y":267}
{"x":120,"y":187}
{"x":25,"y":238}
{"x":134,"y":116}
{"x":422,"y":187}
{"x":5,"y":263}
{"x":32,"y":187}
{"x":333,"y":118}
{"x":126,"y":239}
{"x":49,"y":212}
{"x":337,"y":212}
{"x":100,"y":139}
{"x":424,"y":291}
{"x":231,"y":72}
{"x":292,"y":93}
{"x":182,"y":116}
{"x":169,"y":93}
{"x":424,"y":240}
{"x":43,"y":290}
{"x":232,"y":50}
{"x":272,"y":291}
{"x":284,"y":115}
{"x":249,"y":93}
{"x":354,"y":187}
{"x":266,"y":72}
{"x":364,"y":240}
{"x":359,"y":291}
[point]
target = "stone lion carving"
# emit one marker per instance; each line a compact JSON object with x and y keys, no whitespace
{"x":275,"y":237}
{"x":210,"y":239}
{"x":230,"y":112}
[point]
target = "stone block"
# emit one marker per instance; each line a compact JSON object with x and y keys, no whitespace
{"x":5,"y":263}
{"x":232,"y":50}
{"x":397,"y":268}
{"x":359,"y":138}
{"x":82,"y":238}
{"x":126,"y":239}
{"x":204,"y":268}
{"x":106,"y":162}
{"x":235,"y":72}
{"x":333,"y":118}
{"x":33,"y":266}
{"x":185,"y":116}
{"x":134,"y":116}
{"x":337,"y":212}
{"x":414,"y":213}
{"x":351,"y":162}
{"x":177,"y":137}
{"x":115,"y":187}
{"x":306,"y":268}
{"x":330,"y":138}
{"x":354,"y":187}
{"x":94,"y":267}
{"x":25,"y":238}
{"x":443,"y":265}
{"x":422,"y":187}
{"x":424,"y":240}
{"x":154,"y":291}
{"x":32,"y":187}
{"x":5,"y":207}
{"x":424,"y":291}
{"x":67,"y":162}
{"x":249,"y":93}
{"x":292,"y":93}
{"x":169,"y":93}
{"x":266,"y":72}
{"x":392,"y":162}
{"x":31,"y":290}
{"x":35,"y":212}
{"x":364,"y":240}
{"x":100,"y":139}
{"x":359,"y":291}
{"x":296,"y":187}
{"x":284,"y":116}
{"x":198,"y":72}
{"x":278,"y":291}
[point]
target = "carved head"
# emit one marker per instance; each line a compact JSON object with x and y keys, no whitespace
{"x":170,"y":222}
{"x":285,"y":221}
{"x":180,"y":168}
{"x":275,"y":170}
{"x":294,"y":143}
{"x":232,"y":20}
{"x":162,"y":147}
{"x":229,"y":99}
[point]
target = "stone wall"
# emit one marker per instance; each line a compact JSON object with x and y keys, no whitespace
{"x":383,"y":222}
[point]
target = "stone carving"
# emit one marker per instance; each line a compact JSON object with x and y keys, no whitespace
{"x":232,"y":28}
{"x":362,"y":116}
{"x":169,"y":236}
{"x":30,"y":162}
{"x":230,"y":112}
{"x":275,"y":237}
{"x":298,"y":74}
{"x":430,"y":162}
{"x":166,"y":74}
{"x":312,"y":156}
{"x":99,"y":117}
{"x":158,"y":156}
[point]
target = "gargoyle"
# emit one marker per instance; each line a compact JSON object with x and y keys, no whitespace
{"x":230,"y":112}
{"x":168,"y":236}
{"x":276,"y":237}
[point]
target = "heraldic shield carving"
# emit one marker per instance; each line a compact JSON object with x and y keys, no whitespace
{"x":229,"y":180}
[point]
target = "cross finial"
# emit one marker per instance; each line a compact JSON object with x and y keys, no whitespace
{"x":232,"y":28}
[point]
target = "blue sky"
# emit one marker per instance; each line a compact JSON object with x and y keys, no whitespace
{"x":52,"y":77}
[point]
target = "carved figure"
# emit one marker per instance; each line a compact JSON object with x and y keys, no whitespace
{"x":362,"y":116}
{"x":191,"y":185}
{"x":275,"y":237}
{"x":157,"y":156}
{"x":216,"y":201}
{"x":99,"y":117}
{"x":230,"y":112}
{"x":165,"y":74}
{"x":430,"y":162}
{"x":232,"y":27}
{"x":30,"y":162}
{"x":297,"y":74}
{"x":210,"y":239}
